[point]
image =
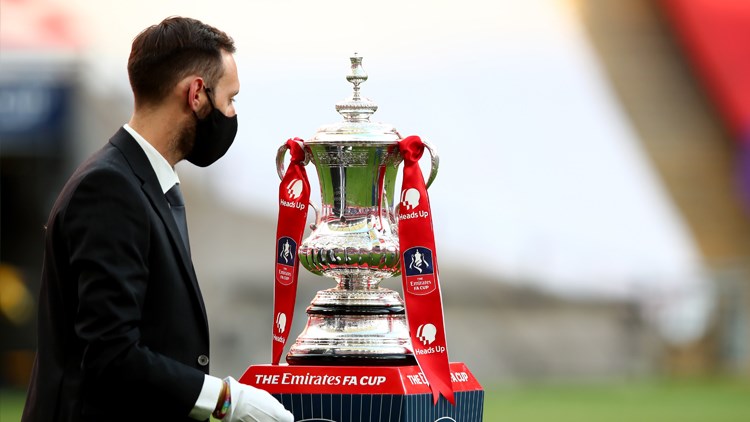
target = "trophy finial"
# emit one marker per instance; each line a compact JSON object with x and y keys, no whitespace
{"x":358,"y":75}
{"x":356,"y":108}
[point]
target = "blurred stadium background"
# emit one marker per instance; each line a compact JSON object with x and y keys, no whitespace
{"x":592,"y":209}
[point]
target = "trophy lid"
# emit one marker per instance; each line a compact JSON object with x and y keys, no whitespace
{"x":356,"y":110}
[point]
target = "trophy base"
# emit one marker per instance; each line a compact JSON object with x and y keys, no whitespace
{"x":354,"y":328}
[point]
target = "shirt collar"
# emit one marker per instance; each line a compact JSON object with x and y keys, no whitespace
{"x":164,"y":172}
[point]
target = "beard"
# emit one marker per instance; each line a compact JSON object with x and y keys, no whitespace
{"x":185,"y":140}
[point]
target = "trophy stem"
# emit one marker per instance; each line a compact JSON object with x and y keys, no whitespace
{"x":357,"y":282}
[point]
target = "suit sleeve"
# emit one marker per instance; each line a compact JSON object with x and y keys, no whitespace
{"x":108,"y":228}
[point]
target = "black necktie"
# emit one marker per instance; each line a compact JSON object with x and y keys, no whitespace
{"x":177,"y":205}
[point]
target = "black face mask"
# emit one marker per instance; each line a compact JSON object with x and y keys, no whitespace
{"x":214,"y":135}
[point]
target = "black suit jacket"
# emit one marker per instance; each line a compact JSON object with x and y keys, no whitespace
{"x":122,"y":331}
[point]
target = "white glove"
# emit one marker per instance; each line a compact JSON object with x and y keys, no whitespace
{"x":250,"y":404}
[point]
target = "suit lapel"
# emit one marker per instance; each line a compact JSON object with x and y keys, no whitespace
{"x":152,"y":189}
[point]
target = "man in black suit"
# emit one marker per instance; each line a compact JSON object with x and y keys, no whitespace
{"x":122,"y":332}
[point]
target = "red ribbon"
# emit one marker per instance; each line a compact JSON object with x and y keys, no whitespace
{"x":419,"y":274}
{"x":294,"y":196}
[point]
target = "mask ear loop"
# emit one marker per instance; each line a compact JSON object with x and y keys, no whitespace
{"x":210,"y":101}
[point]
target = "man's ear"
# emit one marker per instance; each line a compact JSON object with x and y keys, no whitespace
{"x":195,"y":88}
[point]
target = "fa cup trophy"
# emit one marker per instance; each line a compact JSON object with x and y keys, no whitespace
{"x":361,"y":340}
{"x":354,"y":241}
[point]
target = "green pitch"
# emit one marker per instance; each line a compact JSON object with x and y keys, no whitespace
{"x":708,"y":400}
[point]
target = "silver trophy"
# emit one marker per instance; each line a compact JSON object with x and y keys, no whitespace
{"x":354,"y":240}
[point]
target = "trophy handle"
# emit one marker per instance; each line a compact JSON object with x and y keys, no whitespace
{"x":281,"y":171}
{"x":435,"y":159}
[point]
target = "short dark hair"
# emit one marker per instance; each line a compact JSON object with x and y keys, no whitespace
{"x":164,"y":54}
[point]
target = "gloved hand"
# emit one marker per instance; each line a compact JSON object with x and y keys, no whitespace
{"x":250,"y":404}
